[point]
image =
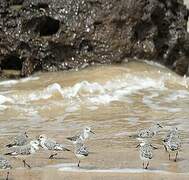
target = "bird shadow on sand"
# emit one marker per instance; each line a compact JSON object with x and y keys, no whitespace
{"x":58,"y":158}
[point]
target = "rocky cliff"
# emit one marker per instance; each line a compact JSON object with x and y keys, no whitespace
{"x":51,"y":35}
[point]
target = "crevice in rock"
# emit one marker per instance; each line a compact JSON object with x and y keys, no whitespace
{"x":44,"y":25}
{"x":141,"y":30}
{"x":85,"y":45}
{"x":11,"y":62}
{"x":15,"y":2}
{"x":42,"y":5}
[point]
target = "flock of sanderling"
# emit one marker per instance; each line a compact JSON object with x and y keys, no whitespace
{"x":21,"y":147}
{"x":171,"y":142}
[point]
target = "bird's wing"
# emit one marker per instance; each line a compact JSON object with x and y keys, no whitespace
{"x":50,"y":144}
{"x":147,"y":152}
{"x":60,"y":147}
{"x":73,"y":138}
{"x":83,"y":150}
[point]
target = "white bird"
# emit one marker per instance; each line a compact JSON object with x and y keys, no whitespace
{"x":24,"y":151}
{"x":19,"y":140}
{"x":5,"y":164}
{"x":80,"y":152}
{"x":81,"y":137}
{"x":146,"y":153}
{"x":172,"y":145}
{"x":148,"y":133}
{"x":171,"y":132}
{"x":52,"y":145}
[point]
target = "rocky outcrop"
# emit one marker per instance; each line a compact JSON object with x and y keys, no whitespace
{"x":53,"y":35}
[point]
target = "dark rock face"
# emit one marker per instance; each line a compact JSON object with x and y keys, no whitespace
{"x":55,"y":35}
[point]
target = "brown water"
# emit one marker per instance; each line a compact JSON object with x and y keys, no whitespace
{"x":115,"y":101}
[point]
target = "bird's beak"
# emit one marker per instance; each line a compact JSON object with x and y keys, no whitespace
{"x":26,"y":134}
{"x":160,"y":126}
{"x":92,"y":132}
{"x":137,"y":145}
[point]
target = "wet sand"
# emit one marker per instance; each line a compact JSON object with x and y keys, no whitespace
{"x":107,"y":160}
{"x":115,"y":101}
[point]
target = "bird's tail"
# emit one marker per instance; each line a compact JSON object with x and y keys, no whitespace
{"x":133,"y":135}
{"x":69,"y":138}
{"x":10,"y":145}
{"x":65,"y":149}
{"x":10,"y":167}
{"x":9,"y":153}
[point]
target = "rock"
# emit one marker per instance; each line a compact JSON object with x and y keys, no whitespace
{"x":182,"y":66}
{"x":52,"y":35}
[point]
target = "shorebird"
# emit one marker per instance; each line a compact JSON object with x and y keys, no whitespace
{"x":146,"y":153}
{"x":5,"y":164}
{"x":171,"y":133}
{"x":149,"y":132}
{"x":49,"y":144}
{"x":80,"y":152}
{"x":23,"y":151}
{"x":80,"y":138}
{"x":172,"y":145}
{"x":19,"y":140}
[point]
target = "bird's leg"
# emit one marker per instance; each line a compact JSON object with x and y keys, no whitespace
{"x":78,"y":163}
{"x":165,"y":148}
{"x":7,"y":177}
{"x":147,"y":165}
{"x":176,"y":156}
{"x":143,"y":165}
{"x":26,"y":164}
{"x":52,"y":156}
{"x":153,"y":147}
{"x":169,"y":156}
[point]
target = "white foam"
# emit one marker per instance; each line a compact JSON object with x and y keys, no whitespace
{"x":46,"y":93}
{"x":152,"y":63}
{"x":94,"y":93}
{"x":84,"y":87}
{"x":178,"y":94}
{"x":3,"y":107}
{"x":155,"y":105}
{"x":73,"y":168}
{"x":13,"y":82}
{"x":4,"y":99}
{"x":72,"y":108}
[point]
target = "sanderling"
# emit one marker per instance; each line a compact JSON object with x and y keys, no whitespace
{"x":23,"y":151}
{"x":19,"y":140}
{"x":148,"y":133}
{"x":172,"y":145}
{"x":5,"y":164}
{"x":145,"y":153}
{"x":80,"y":152}
{"x":172,"y":132}
{"x":80,"y":138}
{"x":49,"y":144}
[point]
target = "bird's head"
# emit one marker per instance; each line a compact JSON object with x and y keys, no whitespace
{"x":88,"y":130}
{"x":42,"y":137}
